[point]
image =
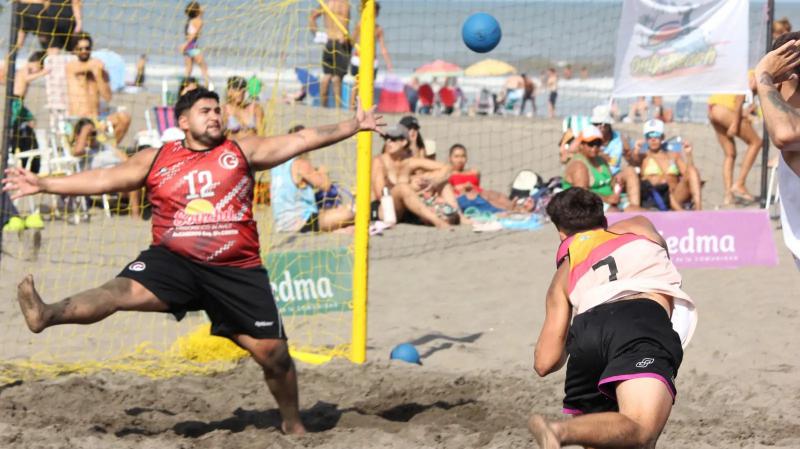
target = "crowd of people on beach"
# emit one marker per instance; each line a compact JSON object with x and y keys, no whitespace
{"x":650,"y":171}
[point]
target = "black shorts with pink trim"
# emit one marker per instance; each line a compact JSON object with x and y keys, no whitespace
{"x":615,"y":342}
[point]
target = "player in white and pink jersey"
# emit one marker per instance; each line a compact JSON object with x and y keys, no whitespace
{"x":205,"y":253}
{"x":778,"y":76}
{"x":616,"y":308}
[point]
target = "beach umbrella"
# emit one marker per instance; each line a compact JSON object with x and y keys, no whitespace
{"x":439,"y":68}
{"x":490,"y":67}
{"x":115,"y":66}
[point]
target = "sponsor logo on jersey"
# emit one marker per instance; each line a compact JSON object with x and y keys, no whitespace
{"x":137,"y":266}
{"x":228,"y":160}
{"x":264,"y":323}
{"x":645,"y":362}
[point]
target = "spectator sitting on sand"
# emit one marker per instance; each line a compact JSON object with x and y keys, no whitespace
{"x":294,"y":206}
{"x":418,"y":186}
{"x":466,"y":184}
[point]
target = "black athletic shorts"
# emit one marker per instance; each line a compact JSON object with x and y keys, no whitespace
{"x":30,"y":16}
{"x":237,"y":300}
{"x":312,"y":224}
{"x":615,"y":342}
{"x":336,"y":58}
{"x":58,"y":25}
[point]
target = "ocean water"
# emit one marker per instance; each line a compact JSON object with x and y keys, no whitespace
{"x":270,"y":38}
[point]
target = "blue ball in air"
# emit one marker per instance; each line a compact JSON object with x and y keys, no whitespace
{"x":481,"y":32}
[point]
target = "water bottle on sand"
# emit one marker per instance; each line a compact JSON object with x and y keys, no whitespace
{"x":387,"y":207}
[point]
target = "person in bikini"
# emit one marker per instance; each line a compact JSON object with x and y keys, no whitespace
{"x":418,"y":186}
{"x":727,"y":115}
{"x":666,"y":174}
{"x":617,"y":316}
{"x":190,"y":49}
{"x":243,"y":117}
{"x":467,"y":185}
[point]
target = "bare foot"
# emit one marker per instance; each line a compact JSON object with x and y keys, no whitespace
{"x":31,"y":305}
{"x":296,"y":428}
{"x":543,"y":433}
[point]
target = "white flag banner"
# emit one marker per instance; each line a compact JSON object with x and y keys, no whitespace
{"x":682,"y":47}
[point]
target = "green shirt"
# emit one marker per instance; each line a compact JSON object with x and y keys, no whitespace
{"x":601,"y":177}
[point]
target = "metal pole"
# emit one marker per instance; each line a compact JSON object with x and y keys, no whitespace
{"x":11,"y":65}
{"x":765,"y":138}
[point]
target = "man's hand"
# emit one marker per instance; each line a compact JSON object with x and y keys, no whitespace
{"x":779,"y":64}
{"x":23,"y":182}
{"x":368,"y":121}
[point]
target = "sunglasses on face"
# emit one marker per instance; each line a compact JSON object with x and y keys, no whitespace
{"x":595,"y":143}
{"x":395,"y":139}
{"x":653,"y":136}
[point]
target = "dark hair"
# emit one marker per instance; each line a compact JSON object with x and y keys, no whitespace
{"x":83,"y":35}
{"x":296,"y":128}
{"x":377,"y":8}
{"x":79,"y":125}
{"x":576,"y":210}
{"x":187,"y":100}
{"x":37,"y":56}
{"x":784,"y":38}
{"x":237,"y":83}
{"x":455,"y":147}
{"x":192,"y":10}
{"x":186,"y":81}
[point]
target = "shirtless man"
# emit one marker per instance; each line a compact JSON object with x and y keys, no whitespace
{"x":336,"y":55}
{"x":777,"y":75}
{"x":87,"y":83}
{"x":529,"y":95}
{"x":630,"y":321}
{"x":513,"y":91}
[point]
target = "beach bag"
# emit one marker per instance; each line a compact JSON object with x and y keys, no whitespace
{"x":333,"y":197}
{"x":525,"y":184}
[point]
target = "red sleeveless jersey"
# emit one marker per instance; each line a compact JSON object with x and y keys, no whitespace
{"x":203,"y":204}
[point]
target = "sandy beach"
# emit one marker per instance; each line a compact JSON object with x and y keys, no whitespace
{"x":472,"y":303}
{"x":475,"y":330}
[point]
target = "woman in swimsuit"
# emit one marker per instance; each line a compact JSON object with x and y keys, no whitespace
{"x":730,"y":119}
{"x":418,"y":186}
{"x":667,"y":170}
{"x":242,"y":116}
{"x":467,"y":184}
{"x":192,"y":54}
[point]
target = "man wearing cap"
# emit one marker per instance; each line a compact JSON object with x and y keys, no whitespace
{"x":589,"y":170}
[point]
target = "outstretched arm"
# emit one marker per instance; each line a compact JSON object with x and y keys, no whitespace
{"x":312,"y":20}
{"x":124,"y":177}
{"x":550,"y":353}
{"x":782,"y":119}
{"x":266,"y":152}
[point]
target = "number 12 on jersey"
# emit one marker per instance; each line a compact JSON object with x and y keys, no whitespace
{"x":201,"y":178}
